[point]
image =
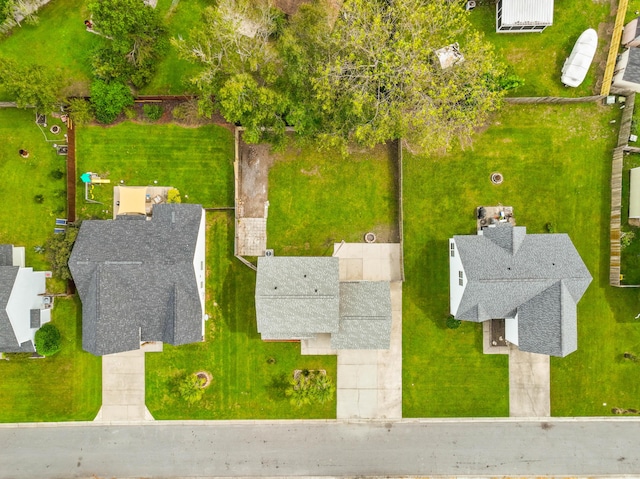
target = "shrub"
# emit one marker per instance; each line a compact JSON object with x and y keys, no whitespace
{"x":453,"y":323}
{"x":310,"y":387}
{"x":550,"y":227}
{"x":152,"y":112}
{"x":130,"y":113}
{"x":109,"y":99}
{"x":173,"y":196}
{"x":191,"y":389}
{"x":39,"y":199}
{"x":188,"y":112}
{"x":80,"y":111}
{"x":57,"y":174}
{"x":626,"y":238}
{"x":48,"y":340}
{"x":58,"y":249}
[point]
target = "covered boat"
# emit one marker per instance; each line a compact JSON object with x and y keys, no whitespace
{"x":575,"y":67}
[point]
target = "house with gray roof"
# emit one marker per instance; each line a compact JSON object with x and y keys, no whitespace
{"x":626,"y":76}
{"x":141,"y":279}
{"x":534,"y":282}
{"x":300,"y":297}
{"x":24,"y":306}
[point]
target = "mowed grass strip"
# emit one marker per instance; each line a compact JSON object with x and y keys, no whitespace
{"x":318,"y":198}
{"x":249,"y":376}
{"x":197,"y":161}
{"x":556,"y":166}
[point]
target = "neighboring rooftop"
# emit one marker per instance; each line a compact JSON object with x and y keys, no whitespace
{"x":524,"y":15}
{"x":300,"y":297}
{"x":141,"y":280}
{"x":23,"y":304}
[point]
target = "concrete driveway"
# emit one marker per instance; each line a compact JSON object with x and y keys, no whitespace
{"x":529,"y":384}
{"x":123,"y":391}
{"x":370,"y":381}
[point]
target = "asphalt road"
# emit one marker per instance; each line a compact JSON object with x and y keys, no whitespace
{"x":503,"y":447}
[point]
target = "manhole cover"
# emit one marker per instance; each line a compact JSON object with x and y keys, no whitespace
{"x":496,"y":178}
{"x":370,"y":237}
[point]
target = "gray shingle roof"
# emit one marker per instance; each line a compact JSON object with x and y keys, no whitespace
{"x":365,"y":316}
{"x":297,"y":295}
{"x":541,"y":277}
{"x":632,"y":70}
{"x":8,"y":340}
{"x":136,"y":280}
{"x":6,"y":255}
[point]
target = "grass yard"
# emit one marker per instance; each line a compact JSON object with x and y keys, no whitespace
{"x":318,"y":198}
{"x":197,"y":161}
{"x":249,"y":375}
{"x":556,"y":164}
{"x":630,"y":258}
{"x":538,"y":57}
{"x":24,"y":221}
{"x":60,"y":39}
{"x":172,"y":71}
{"x":66,"y":386}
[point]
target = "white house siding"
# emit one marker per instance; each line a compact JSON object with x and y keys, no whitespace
{"x":18,"y":256}
{"x":200,"y":265}
{"x":455,"y":267}
{"x":511,"y":330}
{"x":25,"y":296}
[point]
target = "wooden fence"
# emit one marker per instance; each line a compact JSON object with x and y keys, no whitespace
{"x":553,"y":99}
{"x":617,"y":164}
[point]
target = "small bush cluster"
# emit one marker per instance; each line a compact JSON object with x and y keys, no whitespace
{"x":191,"y":388}
{"x":308,"y":387}
{"x":152,"y":112}
{"x":626,"y":238}
{"x":48,"y":340}
{"x":453,"y":323}
{"x":109,"y":100}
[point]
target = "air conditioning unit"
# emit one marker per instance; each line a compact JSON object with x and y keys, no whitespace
{"x":470,"y":5}
{"x":268,"y":253}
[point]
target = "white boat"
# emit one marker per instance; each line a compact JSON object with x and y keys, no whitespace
{"x":575,"y":67}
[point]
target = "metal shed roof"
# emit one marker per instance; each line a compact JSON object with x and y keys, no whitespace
{"x":527,"y":12}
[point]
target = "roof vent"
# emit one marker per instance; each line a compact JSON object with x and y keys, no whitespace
{"x":268,"y":252}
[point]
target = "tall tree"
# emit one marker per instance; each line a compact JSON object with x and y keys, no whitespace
{"x":235,"y":44}
{"x":134,"y":40}
{"x":31,"y":85}
{"x":381,"y":80}
{"x":369,"y":75}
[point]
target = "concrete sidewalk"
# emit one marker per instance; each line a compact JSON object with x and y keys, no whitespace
{"x":123,"y":388}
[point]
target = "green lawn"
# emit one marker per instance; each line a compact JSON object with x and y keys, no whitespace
{"x":197,"y":161}
{"x":172,"y":71}
{"x":538,"y":57}
{"x":68,"y":385}
{"x":318,"y":198}
{"x":23,"y":221}
{"x":556,"y":170}
{"x":249,"y":375}
{"x":60,"y":40}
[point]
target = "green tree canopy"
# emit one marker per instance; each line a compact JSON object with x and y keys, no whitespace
{"x":134,"y":40}
{"x":31,"y":85}
{"x":48,"y":340}
{"x":369,"y":75}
